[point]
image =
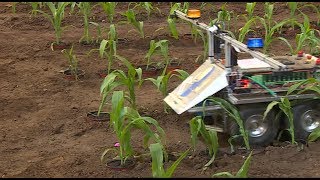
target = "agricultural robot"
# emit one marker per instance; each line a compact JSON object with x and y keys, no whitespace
{"x":250,"y":84}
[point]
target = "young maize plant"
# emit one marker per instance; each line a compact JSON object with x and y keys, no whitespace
{"x":124,"y":120}
{"x":131,"y":19}
{"x":293,"y":6}
{"x":56,"y":17}
{"x":250,"y":9}
{"x":171,"y":22}
{"x":109,"y":9}
{"x":110,"y":44}
{"x":224,"y":16}
{"x":147,"y":6}
{"x":85,"y":9}
{"x":34,"y":6}
{"x":99,"y":31}
{"x":128,"y":80}
{"x":285,"y":105}
{"x":210,"y":137}
{"x":270,"y":26}
{"x":242,"y":173}
{"x":72,"y":60}
{"x":232,"y":112}
{"x":162,"y":82}
{"x":158,"y":170}
{"x":306,"y":37}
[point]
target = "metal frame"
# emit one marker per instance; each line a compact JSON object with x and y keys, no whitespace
{"x":213,"y":32}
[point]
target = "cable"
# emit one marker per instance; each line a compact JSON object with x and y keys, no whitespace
{"x":263,"y":86}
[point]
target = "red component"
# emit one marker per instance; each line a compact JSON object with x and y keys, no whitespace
{"x":318,"y":61}
{"x":245,"y":83}
{"x":300,"y":53}
{"x":309,"y":57}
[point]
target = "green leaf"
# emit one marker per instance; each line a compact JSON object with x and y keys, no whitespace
{"x":157,"y":160}
{"x":243,"y":171}
{"x":173,"y":28}
{"x":103,"y":47}
{"x":314,"y":135}
{"x":173,"y":167}
{"x":269,"y":107}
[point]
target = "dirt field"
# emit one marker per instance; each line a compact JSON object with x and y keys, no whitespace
{"x":44,"y":131}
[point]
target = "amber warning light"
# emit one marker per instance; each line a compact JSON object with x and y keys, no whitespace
{"x":193,"y":14}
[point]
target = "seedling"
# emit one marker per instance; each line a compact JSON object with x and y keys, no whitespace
{"x":147,"y":6}
{"x":210,"y":137}
{"x":99,"y":31}
{"x":306,"y":37}
{"x":110,"y":44}
{"x":34,"y":6}
{"x":225,"y":16}
{"x":285,"y":105}
{"x":232,"y":112}
{"x":123,"y":120}
{"x":129,"y":80}
{"x":158,"y":170}
{"x":270,"y":26}
{"x":56,"y":17}
{"x":85,"y":9}
{"x":109,"y":9}
{"x":131,"y":19}
{"x":72,"y":60}
{"x":162,"y":82}
{"x":242,"y":173}
{"x":293,"y":7}
{"x":171,"y":22}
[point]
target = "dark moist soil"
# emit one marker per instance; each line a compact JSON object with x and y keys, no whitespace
{"x":44,"y":131}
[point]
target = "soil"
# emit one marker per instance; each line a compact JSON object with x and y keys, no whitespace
{"x":44,"y":131}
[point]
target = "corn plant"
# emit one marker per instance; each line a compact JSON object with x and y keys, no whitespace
{"x":246,"y":29}
{"x":123,"y":120}
{"x":293,"y":6}
{"x":110,"y":44}
{"x":56,"y":17}
{"x":315,"y":8}
{"x":34,"y":6}
{"x":128,"y":80}
{"x":306,"y":37}
{"x":158,"y":170}
{"x":147,"y":6}
{"x":204,"y":39}
{"x":162,"y":82}
{"x":85,"y":9}
{"x":232,"y":112}
{"x":171,"y":22}
{"x":285,"y":105}
{"x":109,"y":9}
{"x":152,"y":50}
{"x":72,"y":60}
{"x":250,"y":9}
{"x":131,"y":19}
{"x":242,"y":173}
{"x":270,"y":26}
{"x":210,"y":137}
{"x":225,"y":16}
{"x":99,"y":31}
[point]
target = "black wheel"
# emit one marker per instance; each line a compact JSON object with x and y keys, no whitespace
{"x":261,"y":132}
{"x":306,"y":118}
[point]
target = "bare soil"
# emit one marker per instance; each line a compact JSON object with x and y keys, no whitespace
{"x":44,"y":131}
